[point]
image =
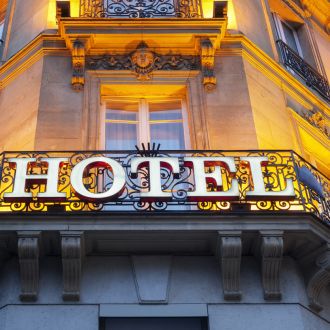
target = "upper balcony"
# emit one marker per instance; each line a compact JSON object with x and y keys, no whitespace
{"x":311,"y":77}
{"x":141,"y":8}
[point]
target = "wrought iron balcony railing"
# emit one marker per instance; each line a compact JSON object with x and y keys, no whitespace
{"x":311,"y":77}
{"x":140,"y":8}
{"x":311,"y":188}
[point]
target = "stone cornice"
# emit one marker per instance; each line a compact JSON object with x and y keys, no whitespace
{"x":158,"y":222}
{"x":235,"y":45}
{"x":44,"y":44}
{"x":319,"y":10}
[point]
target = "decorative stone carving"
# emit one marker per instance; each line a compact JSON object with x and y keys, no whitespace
{"x":78,"y":65}
{"x":72,"y":253}
{"x":271,"y":260}
{"x":319,"y":279}
{"x":28,"y":255}
{"x":207,"y":62}
{"x":317,"y":120}
{"x":143,"y":62}
{"x":230,"y":253}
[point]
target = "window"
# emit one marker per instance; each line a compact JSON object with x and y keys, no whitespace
{"x":3,"y":10}
{"x":130,"y":122}
{"x":287,"y":33}
{"x":1,"y":31}
{"x":63,"y":8}
{"x":220,"y":9}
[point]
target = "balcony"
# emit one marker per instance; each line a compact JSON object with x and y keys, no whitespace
{"x":311,"y":77}
{"x":278,"y":169}
{"x":140,"y":8}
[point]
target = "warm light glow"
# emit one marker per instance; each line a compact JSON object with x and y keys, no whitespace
{"x":74,"y":8}
{"x":51,"y":20}
{"x":145,"y":90}
{"x":319,"y":154}
{"x":208,"y":12}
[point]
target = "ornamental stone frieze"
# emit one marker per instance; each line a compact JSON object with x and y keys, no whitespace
{"x":28,"y":255}
{"x":318,"y":120}
{"x":143,"y":62}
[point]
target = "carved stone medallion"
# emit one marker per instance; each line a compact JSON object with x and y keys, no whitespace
{"x":143,"y":61}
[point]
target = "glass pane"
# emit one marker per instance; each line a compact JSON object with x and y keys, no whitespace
{"x":120,"y":136}
{"x":121,"y":115}
{"x":165,"y":110}
{"x":166,"y":115}
{"x":169,"y":135}
{"x":289,"y":36}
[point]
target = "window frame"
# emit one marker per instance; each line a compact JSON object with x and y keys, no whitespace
{"x":143,"y":121}
{"x":279,"y":21}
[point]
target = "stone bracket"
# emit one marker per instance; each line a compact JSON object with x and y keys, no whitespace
{"x":230,"y":253}
{"x":319,"y":280}
{"x":271,"y":261}
{"x":28,"y":255}
{"x":72,"y":254}
{"x":207,"y":54}
{"x":78,"y":65}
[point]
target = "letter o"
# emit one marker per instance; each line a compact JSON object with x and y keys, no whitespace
{"x":77,"y":174}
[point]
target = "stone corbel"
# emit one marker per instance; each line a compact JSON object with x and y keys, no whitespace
{"x":319,"y":279}
{"x":28,"y":255}
{"x":78,"y":65}
{"x":72,"y":254}
{"x":207,"y":54}
{"x":230,"y":254}
{"x":271,"y":261}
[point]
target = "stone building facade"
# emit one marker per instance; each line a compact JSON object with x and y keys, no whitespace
{"x":199,"y":78}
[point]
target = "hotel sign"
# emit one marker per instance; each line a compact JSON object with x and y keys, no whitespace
{"x":207,"y":178}
{"x":173,"y":180}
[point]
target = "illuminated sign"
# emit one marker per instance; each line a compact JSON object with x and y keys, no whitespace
{"x":205,"y":184}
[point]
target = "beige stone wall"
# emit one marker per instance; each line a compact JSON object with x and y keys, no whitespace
{"x":251,"y":22}
{"x":323,"y":43}
{"x":273,"y":122}
{"x":29,"y":20}
{"x":229,"y":116}
{"x":59,"y":125}
{"x":19,"y":103}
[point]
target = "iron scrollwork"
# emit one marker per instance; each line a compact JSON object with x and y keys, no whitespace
{"x":282,"y":165}
{"x":311,"y":77}
{"x":140,"y":8}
